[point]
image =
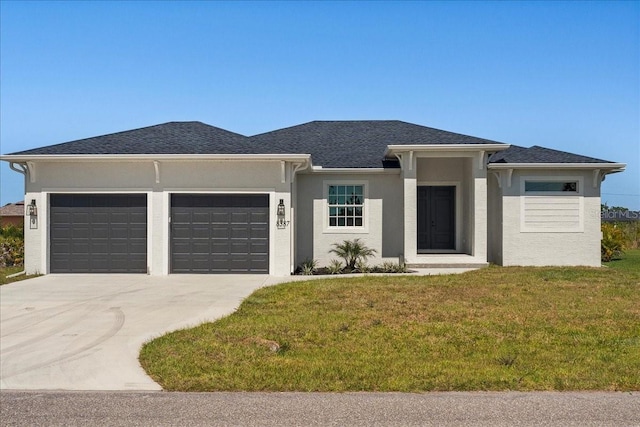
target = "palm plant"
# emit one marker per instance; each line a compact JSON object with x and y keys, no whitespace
{"x":352,"y":252}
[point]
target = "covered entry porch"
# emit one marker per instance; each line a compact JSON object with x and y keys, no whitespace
{"x":445,"y":204}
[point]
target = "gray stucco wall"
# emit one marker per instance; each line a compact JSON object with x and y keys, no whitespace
{"x":383,"y":216}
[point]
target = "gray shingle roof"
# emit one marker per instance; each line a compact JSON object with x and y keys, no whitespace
{"x":331,"y":144}
{"x":537,"y":154}
{"x":357,"y":144}
{"x":167,"y":138}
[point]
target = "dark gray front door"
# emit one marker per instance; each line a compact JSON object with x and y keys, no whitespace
{"x":98,"y":233}
{"x":436,"y":218}
{"x":220,"y":233}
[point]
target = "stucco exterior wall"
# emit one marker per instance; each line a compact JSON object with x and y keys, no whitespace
{"x":383,"y":229}
{"x":551,"y":248}
{"x":494,"y":218}
{"x":173,"y":176}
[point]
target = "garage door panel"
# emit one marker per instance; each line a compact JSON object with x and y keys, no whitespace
{"x":239,"y":232}
{"x":240,"y":217}
{"x":200,"y":231}
{"x":200,"y":218}
{"x":116,"y":217}
{"x":259,"y":217}
{"x":98,"y":233}
{"x":119,"y":232}
{"x":258,"y":247}
{"x":61,"y":232}
{"x":220,"y":227}
{"x":180,"y":217}
{"x":138,"y":218}
{"x":219,"y":218}
{"x":79,"y":218}
{"x":138,"y":233}
{"x":220,"y":247}
{"x":241,"y":248}
{"x":101,"y":217}
{"x":181,"y":231}
{"x":200,"y":247}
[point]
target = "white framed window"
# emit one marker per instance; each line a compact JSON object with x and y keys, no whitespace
{"x":345,"y":206}
{"x":552,"y":205}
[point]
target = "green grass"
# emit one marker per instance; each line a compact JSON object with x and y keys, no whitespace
{"x":8,"y":271}
{"x":492,"y":329}
{"x":630,"y":261}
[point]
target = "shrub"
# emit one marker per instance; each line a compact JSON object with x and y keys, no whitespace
{"x":11,"y":251}
{"x":11,"y":246}
{"x":362,"y":267}
{"x":11,"y":230}
{"x":308,"y":267}
{"x":334,"y":267}
{"x":612,"y":244}
{"x":352,"y":251}
{"x":391,"y":267}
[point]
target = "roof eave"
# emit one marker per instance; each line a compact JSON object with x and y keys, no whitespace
{"x":139,"y":157}
{"x":445,"y":147}
{"x":320,"y":169}
{"x":610,"y":167}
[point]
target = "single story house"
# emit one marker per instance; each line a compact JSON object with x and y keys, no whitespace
{"x":12,"y":214}
{"x":187,"y":197}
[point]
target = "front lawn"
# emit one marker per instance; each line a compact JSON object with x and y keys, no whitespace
{"x":492,"y":329}
{"x":629,"y":261}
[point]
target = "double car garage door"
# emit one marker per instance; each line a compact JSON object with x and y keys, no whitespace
{"x":107,"y":233}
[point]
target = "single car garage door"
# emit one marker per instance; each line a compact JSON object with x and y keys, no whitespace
{"x":220,"y":233}
{"x":98,"y":233}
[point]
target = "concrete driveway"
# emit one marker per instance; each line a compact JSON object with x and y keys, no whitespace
{"x":84,"y":332}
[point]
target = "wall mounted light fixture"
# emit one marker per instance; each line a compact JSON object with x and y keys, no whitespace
{"x":32,"y":209}
{"x":281,"y":221}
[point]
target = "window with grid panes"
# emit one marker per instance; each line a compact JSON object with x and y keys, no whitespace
{"x":346,"y":205}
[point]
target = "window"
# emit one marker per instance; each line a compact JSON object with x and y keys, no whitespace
{"x":346,"y":203}
{"x":551,"y":186}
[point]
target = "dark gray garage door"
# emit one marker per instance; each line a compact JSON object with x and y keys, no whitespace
{"x":220,"y":233}
{"x":104,"y":233}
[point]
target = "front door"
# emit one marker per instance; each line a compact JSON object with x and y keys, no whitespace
{"x":436,"y":218}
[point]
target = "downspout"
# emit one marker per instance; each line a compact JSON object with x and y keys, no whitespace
{"x":23,"y":171}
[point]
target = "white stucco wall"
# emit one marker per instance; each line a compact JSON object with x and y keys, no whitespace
{"x":521,"y":247}
{"x":174,"y":176}
{"x":383,"y":229}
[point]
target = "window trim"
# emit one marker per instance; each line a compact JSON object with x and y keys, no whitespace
{"x":364,"y":228}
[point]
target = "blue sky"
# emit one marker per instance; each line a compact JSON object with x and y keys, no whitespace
{"x":564,"y":75}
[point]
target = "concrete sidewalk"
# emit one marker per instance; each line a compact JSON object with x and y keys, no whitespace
{"x":84,"y":332}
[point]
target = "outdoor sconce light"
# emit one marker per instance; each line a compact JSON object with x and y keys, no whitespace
{"x":32,"y":209}
{"x":280,"y":215}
